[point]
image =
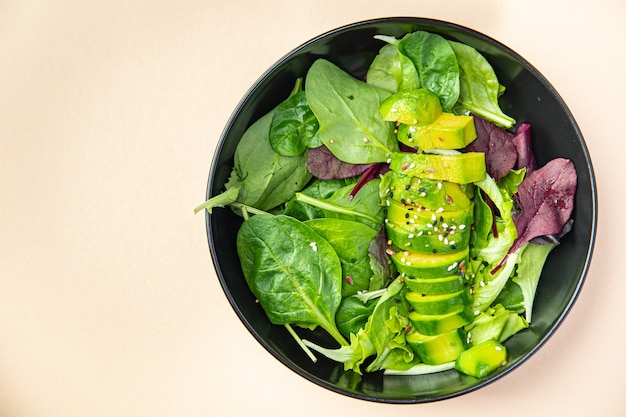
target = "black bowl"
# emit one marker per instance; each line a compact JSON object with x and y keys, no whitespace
{"x":529,"y":98}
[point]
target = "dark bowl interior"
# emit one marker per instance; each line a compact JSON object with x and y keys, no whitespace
{"x":529,"y":98}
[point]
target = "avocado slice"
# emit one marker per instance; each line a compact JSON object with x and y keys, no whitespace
{"x":443,"y":285}
{"x":435,"y":350}
{"x":411,"y":107}
{"x":448,"y":131}
{"x":434,"y":324}
{"x":427,"y":231}
{"x":439,"y":303}
{"x":426,"y":266}
{"x":481,"y":359}
{"x":427,"y":193}
{"x":461,"y":168}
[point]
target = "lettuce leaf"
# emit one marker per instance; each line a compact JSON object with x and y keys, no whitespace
{"x":528,"y":272}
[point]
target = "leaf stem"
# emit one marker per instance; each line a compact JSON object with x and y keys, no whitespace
{"x":300,"y":343}
{"x":332,"y":207}
{"x":247,"y":209}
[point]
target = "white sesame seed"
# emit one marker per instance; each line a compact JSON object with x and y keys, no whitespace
{"x":461,"y":226}
{"x":451,"y":267}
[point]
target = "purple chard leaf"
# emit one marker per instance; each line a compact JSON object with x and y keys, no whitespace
{"x":497,"y":145}
{"x":546,"y":201}
{"x":525,"y":156}
{"x":326,"y":166}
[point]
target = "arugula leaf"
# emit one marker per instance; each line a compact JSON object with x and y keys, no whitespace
{"x":294,"y":273}
{"x":347,"y":110}
{"x":479,"y":86}
{"x":436,"y":65}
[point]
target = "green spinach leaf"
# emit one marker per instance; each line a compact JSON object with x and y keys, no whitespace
{"x":479,"y":86}
{"x":436,"y":65}
{"x":351,"y":241}
{"x":294,"y":273}
{"x":350,"y":124}
{"x":294,"y":127}
{"x":392,"y":70}
{"x":261,"y":178}
{"x":353,"y":313}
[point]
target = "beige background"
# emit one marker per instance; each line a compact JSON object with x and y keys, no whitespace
{"x":109,"y":115}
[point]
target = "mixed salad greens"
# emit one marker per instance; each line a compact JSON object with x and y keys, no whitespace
{"x":403,"y":214}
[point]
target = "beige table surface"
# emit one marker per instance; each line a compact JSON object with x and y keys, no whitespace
{"x":109,"y":115}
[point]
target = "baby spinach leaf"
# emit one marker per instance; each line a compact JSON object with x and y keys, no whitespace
{"x":294,"y":273}
{"x":351,"y":241}
{"x":261,"y":178}
{"x":347,"y":110}
{"x":436,"y":64}
{"x":353,"y":313}
{"x":294,"y":126}
{"x":392,"y":70}
{"x":479,"y":86}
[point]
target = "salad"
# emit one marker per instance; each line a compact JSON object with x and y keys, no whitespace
{"x":404,"y":214}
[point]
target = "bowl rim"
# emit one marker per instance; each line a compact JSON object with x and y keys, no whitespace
{"x":416,"y":21}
